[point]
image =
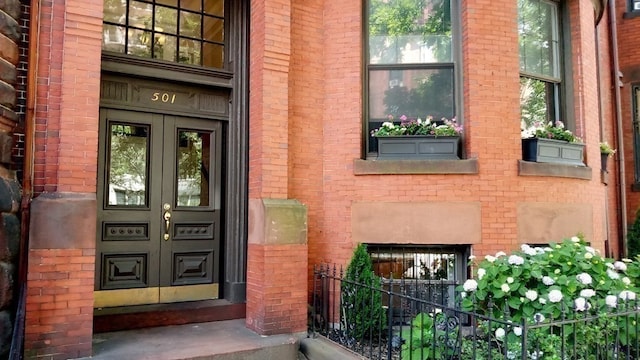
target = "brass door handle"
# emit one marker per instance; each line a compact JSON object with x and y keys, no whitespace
{"x":167,"y":221}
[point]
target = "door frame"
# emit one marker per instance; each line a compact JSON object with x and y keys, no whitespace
{"x":235,"y":134}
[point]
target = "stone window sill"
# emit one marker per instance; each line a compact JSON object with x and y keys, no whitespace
{"x":528,"y":168}
{"x":401,"y":167}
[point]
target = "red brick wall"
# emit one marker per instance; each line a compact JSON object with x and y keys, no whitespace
{"x":59,"y":303}
{"x":491,"y":118}
{"x":629,"y":59}
{"x":61,"y":263}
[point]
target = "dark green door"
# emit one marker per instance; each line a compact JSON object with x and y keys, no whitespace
{"x":158,"y":237}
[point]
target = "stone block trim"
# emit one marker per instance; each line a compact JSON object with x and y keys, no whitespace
{"x":61,"y":269}
{"x":277,"y":267}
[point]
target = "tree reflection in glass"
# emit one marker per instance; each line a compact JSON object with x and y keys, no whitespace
{"x":193,"y":168}
{"x":127,"y":164}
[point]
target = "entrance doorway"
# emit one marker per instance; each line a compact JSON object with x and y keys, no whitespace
{"x":159,"y":212}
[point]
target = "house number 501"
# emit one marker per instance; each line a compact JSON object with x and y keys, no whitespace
{"x":164,"y":97}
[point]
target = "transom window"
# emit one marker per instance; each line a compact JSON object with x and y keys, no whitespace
{"x":540,"y":62}
{"x":181,"y":31}
{"x":635,"y":5}
{"x":410,"y":62}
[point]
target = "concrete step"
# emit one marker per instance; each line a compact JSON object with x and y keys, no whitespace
{"x":220,"y":340}
{"x":321,"y":348}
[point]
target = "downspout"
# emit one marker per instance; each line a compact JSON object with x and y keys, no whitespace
{"x":613,"y":31}
{"x":29,"y":121}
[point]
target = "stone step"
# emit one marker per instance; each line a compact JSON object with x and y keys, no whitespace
{"x":220,"y":340}
{"x":320,"y":348}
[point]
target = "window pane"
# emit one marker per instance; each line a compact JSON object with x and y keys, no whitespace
{"x":113,"y":38}
{"x":140,"y":15}
{"x":213,"y":29}
{"x":165,"y":47}
{"x":412,"y":92}
{"x":537,"y":102}
{"x":213,"y":55}
{"x":214,"y":7}
{"x":139,"y":43}
{"x":190,"y":24}
{"x":189,"y":52}
{"x":114,"y":11}
{"x":166,"y":20}
{"x":539,"y":37}
{"x":403,"y":32}
{"x":193,"y":5}
{"x":127,"y":163}
{"x":194,"y":149}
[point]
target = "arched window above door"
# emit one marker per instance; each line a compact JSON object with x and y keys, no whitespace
{"x":188,"y":32}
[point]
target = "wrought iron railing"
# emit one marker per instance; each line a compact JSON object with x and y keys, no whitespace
{"x":413,"y":320}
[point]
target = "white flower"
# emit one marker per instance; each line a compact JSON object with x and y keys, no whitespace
{"x":590,"y":250}
{"x":588,"y":255}
{"x":505,"y":288}
{"x":542,"y":300}
{"x":470,"y":285}
{"x":528,"y":250}
{"x":581,"y":304}
{"x":517,"y":330}
{"x":626,"y":281}
{"x":472,"y":257}
{"x":584,"y":278}
{"x":538,"y":318}
{"x":611,"y":301}
{"x":463,"y":294}
{"x":575,"y":239}
{"x":547,"y":280}
{"x":510,"y":280}
{"x":547,"y":249}
{"x":612,"y":274}
{"x":388,"y":124}
{"x":499,"y":333}
{"x":620,"y":266}
{"x":500,"y":253}
{"x":627,"y":295}
{"x":540,"y":250}
{"x":627,"y":260}
{"x":516,"y":260}
{"x":481,"y":273}
{"x":555,"y":296}
{"x":532,"y":295}
{"x":610,"y":266}
{"x":587,"y":293}
{"x":490,"y":258}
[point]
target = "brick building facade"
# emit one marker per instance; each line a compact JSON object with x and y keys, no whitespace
{"x":277,"y":105}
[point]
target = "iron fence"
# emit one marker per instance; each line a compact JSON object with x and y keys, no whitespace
{"x":411,"y":319}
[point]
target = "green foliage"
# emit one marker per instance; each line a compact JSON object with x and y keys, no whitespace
{"x":362,"y":311}
{"x":549,"y":130}
{"x":562,"y":280}
{"x":418,"y":127}
{"x":419,"y":338}
{"x":633,"y":238}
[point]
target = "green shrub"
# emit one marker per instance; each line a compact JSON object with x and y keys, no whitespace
{"x":633,"y":238}
{"x":362,"y":311}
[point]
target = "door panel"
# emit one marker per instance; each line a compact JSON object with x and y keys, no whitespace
{"x":159,"y":190}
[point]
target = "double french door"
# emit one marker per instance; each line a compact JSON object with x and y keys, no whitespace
{"x":159,"y":212}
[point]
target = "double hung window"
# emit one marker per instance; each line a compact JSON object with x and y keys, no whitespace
{"x":541,"y":85}
{"x":410,"y":67}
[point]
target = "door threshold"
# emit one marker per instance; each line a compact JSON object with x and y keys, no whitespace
{"x":154,"y":315}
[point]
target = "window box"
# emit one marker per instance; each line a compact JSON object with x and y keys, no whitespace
{"x":552,"y":151}
{"x":418,"y":147}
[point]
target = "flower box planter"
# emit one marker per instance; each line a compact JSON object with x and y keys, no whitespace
{"x":552,"y":151}
{"x":416,"y":147}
